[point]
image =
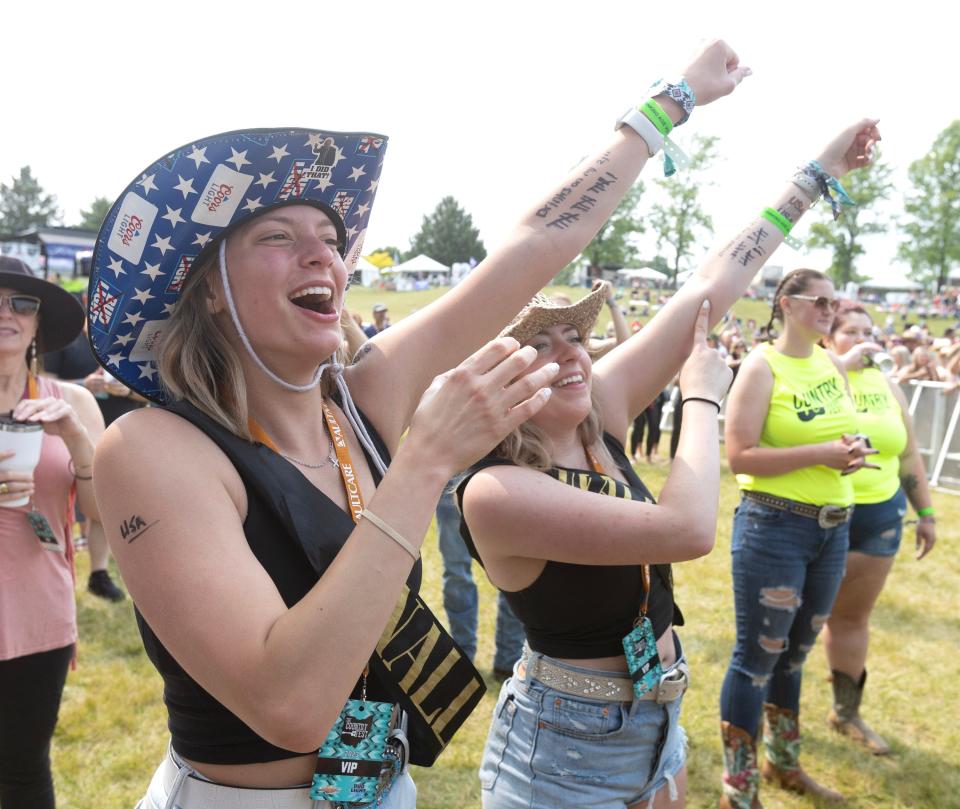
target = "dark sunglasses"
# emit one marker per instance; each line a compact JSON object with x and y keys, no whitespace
{"x":21,"y":304}
{"x":820,"y":301}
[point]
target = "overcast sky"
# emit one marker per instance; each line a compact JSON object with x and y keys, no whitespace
{"x":491,"y":102}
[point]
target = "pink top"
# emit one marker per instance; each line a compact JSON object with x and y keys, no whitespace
{"x":37,"y":608}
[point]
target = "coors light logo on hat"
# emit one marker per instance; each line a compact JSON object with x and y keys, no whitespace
{"x":178,"y":208}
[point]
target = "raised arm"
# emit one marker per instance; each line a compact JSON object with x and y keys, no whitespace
{"x":401,"y":361}
{"x":520,"y":513}
{"x":631,"y":375}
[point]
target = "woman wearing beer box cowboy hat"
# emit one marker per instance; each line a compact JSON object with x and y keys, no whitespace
{"x":271,"y":555}
{"x":59,"y":423}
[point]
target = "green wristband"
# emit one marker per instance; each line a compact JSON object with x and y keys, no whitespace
{"x":657,"y":116}
{"x":783,"y":224}
{"x":925,"y":512}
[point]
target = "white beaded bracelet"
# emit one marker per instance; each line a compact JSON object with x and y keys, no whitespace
{"x":642,"y":125}
{"x":390,"y":532}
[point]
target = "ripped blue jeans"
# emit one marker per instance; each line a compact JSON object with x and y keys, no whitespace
{"x":786,"y":574}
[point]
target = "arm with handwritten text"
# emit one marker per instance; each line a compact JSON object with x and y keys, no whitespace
{"x":402,"y":360}
{"x":662,"y":345}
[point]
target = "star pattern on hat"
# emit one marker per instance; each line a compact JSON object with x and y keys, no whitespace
{"x":198,"y":156}
{"x":174,"y":212}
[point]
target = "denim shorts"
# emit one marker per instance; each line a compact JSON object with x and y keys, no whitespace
{"x":876,"y":528}
{"x":550,"y":749}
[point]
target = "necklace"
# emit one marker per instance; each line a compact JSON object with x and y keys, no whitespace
{"x":330,"y":459}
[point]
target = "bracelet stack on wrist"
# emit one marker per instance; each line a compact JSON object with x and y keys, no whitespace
{"x":651,"y":122}
{"x":814,"y":182}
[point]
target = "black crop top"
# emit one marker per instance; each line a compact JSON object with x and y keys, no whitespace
{"x":202,"y":729}
{"x":583,"y":611}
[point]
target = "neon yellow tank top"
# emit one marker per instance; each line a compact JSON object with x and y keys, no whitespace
{"x":879,"y":417}
{"x":808,"y":405}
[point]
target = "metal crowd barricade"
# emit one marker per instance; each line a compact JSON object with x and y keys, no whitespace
{"x":935,"y":409}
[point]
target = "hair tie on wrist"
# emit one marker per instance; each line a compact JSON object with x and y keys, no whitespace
{"x":700,"y":399}
{"x":925,"y":512}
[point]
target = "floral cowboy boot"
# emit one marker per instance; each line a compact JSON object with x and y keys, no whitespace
{"x":741,"y":776}
{"x":844,"y":717}
{"x":781,"y":740}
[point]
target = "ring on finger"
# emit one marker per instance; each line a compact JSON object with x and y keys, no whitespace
{"x":4,"y":488}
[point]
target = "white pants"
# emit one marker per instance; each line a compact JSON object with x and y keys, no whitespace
{"x":175,"y":787}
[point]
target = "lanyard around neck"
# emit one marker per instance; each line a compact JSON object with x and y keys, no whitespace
{"x":644,"y":569}
{"x":351,"y":485}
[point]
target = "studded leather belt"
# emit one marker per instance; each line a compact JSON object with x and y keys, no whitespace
{"x":826,"y":516}
{"x":603,"y":686}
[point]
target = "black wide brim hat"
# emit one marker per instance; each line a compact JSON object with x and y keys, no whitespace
{"x":181,"y":206}
{"x":61,"y":315}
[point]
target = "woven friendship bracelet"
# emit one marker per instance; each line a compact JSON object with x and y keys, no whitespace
{"x":681,"y":92}
{"x":825,"y":183}
{"x":390,"y":532}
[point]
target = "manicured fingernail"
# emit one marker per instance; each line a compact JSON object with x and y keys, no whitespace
{"x":705,"y":304}
{"x":552,"y":368}
{"x":546,"y":393}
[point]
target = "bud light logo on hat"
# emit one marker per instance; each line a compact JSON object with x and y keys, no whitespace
{"x":177,"y":210}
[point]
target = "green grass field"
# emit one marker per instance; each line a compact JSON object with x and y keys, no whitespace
{"x":362,"y":299}
{"x":112,"y":730}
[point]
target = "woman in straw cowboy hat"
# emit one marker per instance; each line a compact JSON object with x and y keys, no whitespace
{"x":38,"y":626}
{"x":271,"y":555}
{"x":564,"y":526}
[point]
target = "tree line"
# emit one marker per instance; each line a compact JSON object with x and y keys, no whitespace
{"x":929,"y":224}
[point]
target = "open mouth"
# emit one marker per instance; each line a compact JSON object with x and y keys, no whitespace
{"x":315,"y":299}
{"x":573,"y":379}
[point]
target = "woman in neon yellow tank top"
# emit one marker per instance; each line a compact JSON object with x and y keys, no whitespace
{"x":881,"y":499}
{"x":790,"y":438}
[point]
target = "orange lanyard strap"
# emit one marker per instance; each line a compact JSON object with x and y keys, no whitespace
{"x":351,"y":485}
{"x":644,"y":569}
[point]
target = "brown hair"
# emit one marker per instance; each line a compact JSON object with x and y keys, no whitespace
{"x":199,"y":365}
{"x":528,"y":446}
{"x":794,"y":282}
{"x":844,"y":311}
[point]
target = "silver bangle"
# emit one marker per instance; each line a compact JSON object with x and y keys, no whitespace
{"x":390,"y":532}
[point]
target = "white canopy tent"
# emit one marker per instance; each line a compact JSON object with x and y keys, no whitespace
{"x":419,"y":272}
{"x":644,"y":273}
{"x":369,"y":273}
{"x":416,"y":265}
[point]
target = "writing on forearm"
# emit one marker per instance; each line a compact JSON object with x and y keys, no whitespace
{"x":747,"y":247}
{"x":565,"y":207}
{"x":793,"y":209}
{"x":135,"y":527}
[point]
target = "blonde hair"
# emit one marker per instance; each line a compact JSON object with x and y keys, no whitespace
{"x":529,"y":446}
{"x":199,"y":365}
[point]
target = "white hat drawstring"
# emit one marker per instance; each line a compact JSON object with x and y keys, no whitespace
{"x":336,"y":369}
